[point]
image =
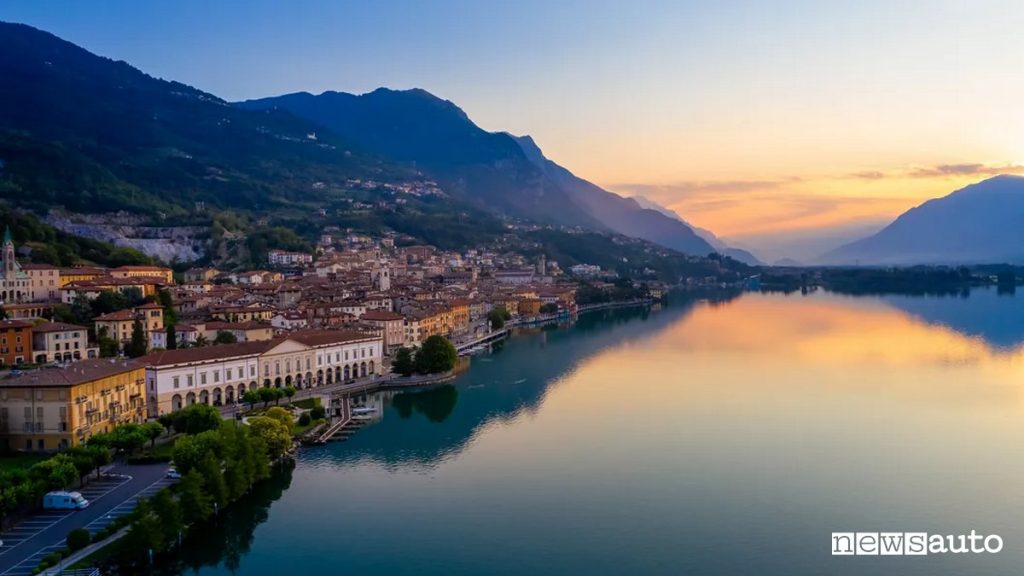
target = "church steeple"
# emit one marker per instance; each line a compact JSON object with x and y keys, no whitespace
{"x":10,"y":266}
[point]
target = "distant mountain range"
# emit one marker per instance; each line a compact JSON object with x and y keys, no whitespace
{"x":94,"y":135}
{"x":981,"y":223}
{"x":496,"y":170}
{"x":708,"y":236}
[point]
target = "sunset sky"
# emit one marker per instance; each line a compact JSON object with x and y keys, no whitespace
{"x":746,"y":117}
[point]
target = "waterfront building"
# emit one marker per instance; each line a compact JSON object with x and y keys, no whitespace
{"x":57,"y":407}
{"x":221,"y":374}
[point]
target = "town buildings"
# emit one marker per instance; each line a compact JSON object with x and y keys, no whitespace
{"x":221,"y":374}
{"x":54,"y":408}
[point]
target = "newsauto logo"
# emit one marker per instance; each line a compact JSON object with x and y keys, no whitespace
{"x":912,"y":544}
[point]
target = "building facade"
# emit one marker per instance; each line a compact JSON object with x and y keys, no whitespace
{"x":15,"y":342}
{"x":55,"y":408}
{"x":60,"y":342}
{"x":219,"y":375}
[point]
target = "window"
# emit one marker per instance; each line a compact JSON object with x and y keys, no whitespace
{"x":216,"y":376}
{"x":175,"y":381}
{"x":202,"y":378}
{"x":190,"y":380}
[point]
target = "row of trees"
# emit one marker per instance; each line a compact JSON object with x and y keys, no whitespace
{"x":267,"y":395}
{"x":219,"y":465}
{"x":21,"y":490}
{"x":435,"y":356}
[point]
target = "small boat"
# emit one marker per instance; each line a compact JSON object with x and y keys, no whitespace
{"x":520,"y":381}
{"x":363,"y":410}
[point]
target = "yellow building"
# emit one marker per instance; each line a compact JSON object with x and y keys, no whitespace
{"x":119,"y":324}
{"x":165,"y":274}
{"x":80,"y":274}
{"x":53,"y":408}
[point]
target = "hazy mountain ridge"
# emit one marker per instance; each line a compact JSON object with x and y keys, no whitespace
{"x":980,"y":223}
{"x":495,"y":169}
{"x":745,"y":256}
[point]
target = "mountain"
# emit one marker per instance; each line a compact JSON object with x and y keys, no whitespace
{"x":981,"y":223}
{"x":93,"y":134}
{"x":504,"y":173}
{"x":708,"y":236}
{"x":433,"y":135}
{"x":622,"y":215}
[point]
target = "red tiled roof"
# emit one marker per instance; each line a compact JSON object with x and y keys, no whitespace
{"x":72,"y":374}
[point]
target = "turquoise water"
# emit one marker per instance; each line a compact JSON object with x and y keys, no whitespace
{"x":703,"y":438}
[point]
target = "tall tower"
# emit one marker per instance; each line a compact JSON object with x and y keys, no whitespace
{"x":10,"y":266}
{"x":382,"y":276}
{"x":542,"y":265}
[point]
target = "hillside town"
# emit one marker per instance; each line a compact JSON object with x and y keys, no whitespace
{"x":73,"y":338}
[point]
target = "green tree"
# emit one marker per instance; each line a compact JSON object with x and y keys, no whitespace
{"x":200,"y":341}
{"x":106,"y":302}
{"x":213,"y":480}
{"x":403,"y":363}
{"x":145,"y":533}
{"x":128,"y":437}
{"x":251,"y":397}
{"x":77,"y":539}
{"x":108,"y":346}
{"x":278,"y":394}
{"x":318,"y":412}
{"x":172,"y":337}
{"x":190,"y":451}
{"x":267,"y":394}
{"x":225,"y":337}
{"x":197,"y":418}
{"x":138,"y":345}
{"x":276,"y":436}
{"x":496,"y":317}
{"x":196,"y":504}
{"x":82,"y":458}
{"x":170,"y":514}
{"x":281,"y":415}
{"x":167,"y":420}
{"x":289,"y":392}
{"x":153,"y":430}
{"x":436,"y":355}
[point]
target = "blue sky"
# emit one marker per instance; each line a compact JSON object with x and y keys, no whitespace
{"x":745,"y":116}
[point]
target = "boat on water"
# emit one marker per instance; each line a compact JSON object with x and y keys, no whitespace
{"x":363,"y":410}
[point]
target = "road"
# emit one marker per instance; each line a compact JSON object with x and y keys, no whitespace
{"x":36,"y":537}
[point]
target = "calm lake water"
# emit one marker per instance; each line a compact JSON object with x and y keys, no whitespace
{"x":703,"y":438}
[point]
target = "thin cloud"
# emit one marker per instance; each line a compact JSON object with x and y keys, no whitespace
{"x":944,"y":170}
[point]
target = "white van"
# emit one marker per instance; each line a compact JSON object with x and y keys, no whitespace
{"x":64,"y":501}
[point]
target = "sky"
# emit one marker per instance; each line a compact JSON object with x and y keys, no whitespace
{"x":756,"y":120}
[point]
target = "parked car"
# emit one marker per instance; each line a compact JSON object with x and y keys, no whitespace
{"x":61,"y":500}
{"x":173,"y":474}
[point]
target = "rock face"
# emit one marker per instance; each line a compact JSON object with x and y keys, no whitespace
{"x":981,"y":223}
{"x":168,"y":243}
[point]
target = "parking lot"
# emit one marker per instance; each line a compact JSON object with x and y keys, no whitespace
{"x":109,"y":497}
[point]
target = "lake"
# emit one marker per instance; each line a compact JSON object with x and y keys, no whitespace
{"x":725,"y":437}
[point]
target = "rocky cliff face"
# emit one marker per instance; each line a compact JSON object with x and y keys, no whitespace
{"x":168,"y":243}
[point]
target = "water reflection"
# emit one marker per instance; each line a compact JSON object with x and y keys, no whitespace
{"x":993,"y":314}
{"x":507,"y":385}
{"x":225,"y":540}
{"x":725,"y":437}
